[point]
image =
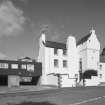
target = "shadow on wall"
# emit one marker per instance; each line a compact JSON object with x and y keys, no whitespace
{"x":33,"y":103}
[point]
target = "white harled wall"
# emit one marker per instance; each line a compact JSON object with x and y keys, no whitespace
{"x":82,"y":55}
{"x":102,"y":73}
{"x":88,"y":52}
{"x":93,"y":52}
{"x":93,"y":56}
{"x":73,"y":58}
{"x":68,"y":74}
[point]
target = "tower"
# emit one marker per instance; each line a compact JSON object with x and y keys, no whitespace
{"x":93,"y":50}
{"x":89,"y":55}
{"x":89,"y":49}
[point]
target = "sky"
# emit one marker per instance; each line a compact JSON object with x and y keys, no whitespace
{"x":21,"y":22}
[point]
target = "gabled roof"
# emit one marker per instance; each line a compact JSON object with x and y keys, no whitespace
{"x":84,"y":39}
{"x":103,"y":52}
{"x":28,"y":58}
{"x":56,"y":45}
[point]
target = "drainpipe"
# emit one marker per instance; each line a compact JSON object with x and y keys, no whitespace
{"x":59,"y":80}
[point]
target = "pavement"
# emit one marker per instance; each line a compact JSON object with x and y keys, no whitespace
{"x":6,"y":89}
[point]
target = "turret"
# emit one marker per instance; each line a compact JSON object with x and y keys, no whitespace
{"x":73,"y":59}
{"x":92,"y":31}
{"x":71,"y":43}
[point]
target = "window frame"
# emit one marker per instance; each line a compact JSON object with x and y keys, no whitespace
{"x":4,"y":65}
{"x":30,"y":67}
{"x":100,"y":75}
{"x":55,"y":51}
{"x":15,"y":64}
{"x":24,"y":66}
{"x":64,"y":63}
{"x":64,"y":52}
{"x":56,"y":63}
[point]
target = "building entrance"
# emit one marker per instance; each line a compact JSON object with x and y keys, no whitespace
{"x":3,"y":80}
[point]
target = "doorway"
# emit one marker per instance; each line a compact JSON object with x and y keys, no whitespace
{"x":3,"y":80}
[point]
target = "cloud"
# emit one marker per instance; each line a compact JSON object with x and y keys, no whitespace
{"x":52,"y":31}
{"x":24,"y":1}
{"x":11,"y":19}
{"x":2,"y":56}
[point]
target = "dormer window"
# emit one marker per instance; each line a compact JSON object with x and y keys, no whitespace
{"x":64,"y":52}
{"x":55,"y":51}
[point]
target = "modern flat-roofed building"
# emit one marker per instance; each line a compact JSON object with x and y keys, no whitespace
{"x":19,"y":72}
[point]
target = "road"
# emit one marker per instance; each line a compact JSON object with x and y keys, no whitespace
{"x":65,"y":96}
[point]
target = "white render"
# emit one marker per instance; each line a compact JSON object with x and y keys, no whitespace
{"x":102,"y":72}
{"x":49,"y":72}
{"x":88,"y":52}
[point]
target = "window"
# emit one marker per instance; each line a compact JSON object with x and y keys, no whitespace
{"x":55,"y":63}
{"x":25,"y":79}
{"x":76,"y":75}
{"x":4,"y":65}
{"x":55,"y":51}
{"x":14,"y":66}
{"x":100,"y":67}
{"x":94,"y":51}
{"x":100,"y":75}
{"x":64,"y":52}
{"x":64,"y":63}
{"x":23,"y":66}
{"x":30,"y":67}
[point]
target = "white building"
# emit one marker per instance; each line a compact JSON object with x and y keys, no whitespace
{"x":69,"y":64}
{"x":102,"y":68}
{"x":59,"y":62}
{"x":89,"y":54}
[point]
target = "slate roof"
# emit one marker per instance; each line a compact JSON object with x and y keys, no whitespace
{"x":102,"y":56}
{"x":102,"y":59}
{"x":84,"y":39}
{"x":56,"y":45}
{"x":103,"y":52}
